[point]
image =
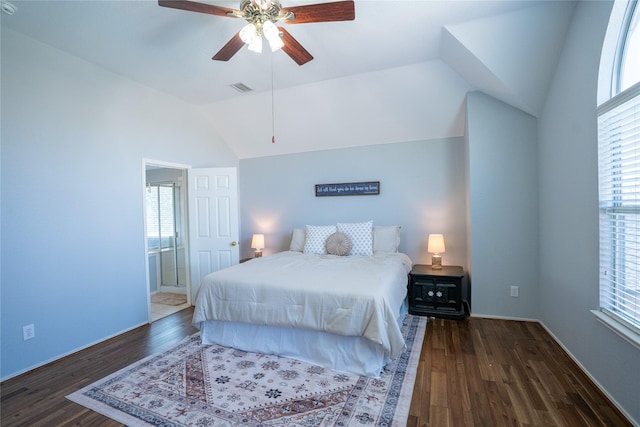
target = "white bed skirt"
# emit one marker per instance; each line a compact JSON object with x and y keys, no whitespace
{"x":355,"y":355}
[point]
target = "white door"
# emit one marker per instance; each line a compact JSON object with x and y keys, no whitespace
{"x":213,"y":222}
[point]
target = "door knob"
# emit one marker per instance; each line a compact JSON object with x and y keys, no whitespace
{"x":234,"y":243}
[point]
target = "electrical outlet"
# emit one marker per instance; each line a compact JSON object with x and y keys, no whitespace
{"x":515,"y":291}
{"x":28,"y":332}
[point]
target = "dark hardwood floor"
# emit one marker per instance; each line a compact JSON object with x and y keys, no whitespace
{"x":477,"y":372}
{"x":37,"y":398}
{"x":488,"y":372}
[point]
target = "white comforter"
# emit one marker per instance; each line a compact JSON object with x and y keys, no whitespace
{"x":352,"y":296}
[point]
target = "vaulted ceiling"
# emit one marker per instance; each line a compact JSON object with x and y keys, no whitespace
{"x":399,"y":72}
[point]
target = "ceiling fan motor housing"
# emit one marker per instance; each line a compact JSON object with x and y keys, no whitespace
{"x":261,"y":11}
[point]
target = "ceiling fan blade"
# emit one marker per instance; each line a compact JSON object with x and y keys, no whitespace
{"x":229,"y":49}
{"x":322,"y":12}
{"x":294,"y":49}
{"x":193,"y":6}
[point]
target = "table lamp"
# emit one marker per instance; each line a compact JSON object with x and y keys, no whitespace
{"x":436,"y":247}
{"x":257,"y":243}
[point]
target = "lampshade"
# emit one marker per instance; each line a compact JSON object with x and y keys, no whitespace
{"x":272,"y":34}
{"x":251,"y":36}
{"x":258,"y":241}
{"x":436,"y":247}
{"x":248,"y":33}
{"x":436,"y":244}
{"x":256,"y":45}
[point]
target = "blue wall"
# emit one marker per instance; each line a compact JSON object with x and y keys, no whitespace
{"x":569,"y":240}
{"x":73,"y":141}
{"x":503,"y":215}
{"x":422,"y":189}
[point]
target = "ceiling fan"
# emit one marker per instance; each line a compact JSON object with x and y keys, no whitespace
{"x":262,"y":15}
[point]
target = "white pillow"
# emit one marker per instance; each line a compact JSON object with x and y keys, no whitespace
{"x":386,"y":239}
{"x":361,"y":234}
{"x":316,"y":238}
{"x":298,"y":237}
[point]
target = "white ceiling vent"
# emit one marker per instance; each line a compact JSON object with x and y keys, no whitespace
{"x":241,"y":87}
{"x":7,"y":7}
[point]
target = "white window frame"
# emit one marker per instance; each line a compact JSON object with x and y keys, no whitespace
{"x":619,"y":204}
{"x":631,"y":12}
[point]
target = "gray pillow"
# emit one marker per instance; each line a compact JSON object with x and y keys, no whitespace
{"x":338,"y":244}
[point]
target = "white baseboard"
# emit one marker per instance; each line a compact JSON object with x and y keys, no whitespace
{"x":69,"y":353}
{"x":490,"y":316}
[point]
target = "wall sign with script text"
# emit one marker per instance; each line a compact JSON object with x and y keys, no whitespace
{"x":348,"y":189}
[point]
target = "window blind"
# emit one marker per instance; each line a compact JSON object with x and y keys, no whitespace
{"x":619,"y":204}
{"x":160,"y":216}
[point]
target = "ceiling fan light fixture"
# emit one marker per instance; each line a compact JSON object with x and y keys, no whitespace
{"x":276,"y":44}
{"x":256,"y":45}
{"x":249,"y":33}
{"x":272,"y":34}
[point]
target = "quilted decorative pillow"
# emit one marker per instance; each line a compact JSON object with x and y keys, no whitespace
{"x":361,"y":234}
{"x":338,"y":244}
{"x":316,"y":238}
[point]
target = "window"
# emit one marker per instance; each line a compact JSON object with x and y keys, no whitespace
{"x":619,"y":181}
{"x":628,"y":55}
{"x":161,"y":229}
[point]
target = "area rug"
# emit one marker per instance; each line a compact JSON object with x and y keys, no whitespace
{"x":195,"y":385}
{"x":167,"y":298}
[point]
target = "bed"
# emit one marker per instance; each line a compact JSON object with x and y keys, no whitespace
{"x":342,"y":312}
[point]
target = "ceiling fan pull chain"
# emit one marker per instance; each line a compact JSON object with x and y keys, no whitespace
{"x":273,"y":114}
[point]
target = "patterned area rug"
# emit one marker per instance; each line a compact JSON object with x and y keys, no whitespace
{"x":195,"y":385}
{"x":167,"y":298}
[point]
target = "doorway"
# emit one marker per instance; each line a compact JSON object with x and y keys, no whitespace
{"x":166,"y":239}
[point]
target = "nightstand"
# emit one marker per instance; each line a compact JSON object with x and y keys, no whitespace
{"x":438,"y":293}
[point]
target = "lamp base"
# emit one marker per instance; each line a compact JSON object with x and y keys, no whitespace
{"x":257,"y":254}
{"x":436,"y":262}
